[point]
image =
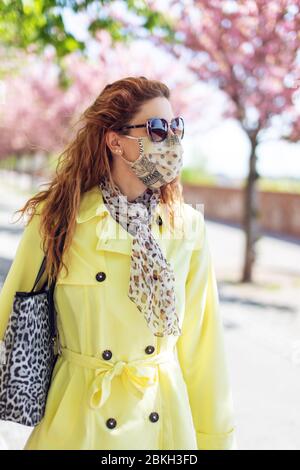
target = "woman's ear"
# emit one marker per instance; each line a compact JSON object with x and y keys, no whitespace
{"x":113,"y":143}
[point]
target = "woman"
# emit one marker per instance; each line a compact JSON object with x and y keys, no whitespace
{"x":142,"y":359}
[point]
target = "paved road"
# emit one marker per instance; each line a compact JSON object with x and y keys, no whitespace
{"x":261,"y":324}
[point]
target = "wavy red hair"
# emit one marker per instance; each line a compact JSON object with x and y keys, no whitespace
{"x":85,"y":160}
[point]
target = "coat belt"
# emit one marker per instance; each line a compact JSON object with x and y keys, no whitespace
{"x":136,"y":375}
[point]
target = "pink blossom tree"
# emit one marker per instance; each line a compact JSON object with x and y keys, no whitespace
{"x":38,"y":113}
{"x":251,"y":51}
{"x":247,"y":49}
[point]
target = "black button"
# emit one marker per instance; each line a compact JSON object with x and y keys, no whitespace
{"x":149,"y":349}
{"x":154,"y":417}
{"x":107,"y":354}
{"x":100,"y":276}
{"x":111,"y":423}
{"x":159,"y":220}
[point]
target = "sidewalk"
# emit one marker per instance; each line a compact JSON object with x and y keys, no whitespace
{"x":261,"y":325}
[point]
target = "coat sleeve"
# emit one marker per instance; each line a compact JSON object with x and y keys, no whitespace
{"x":23,"y":270}
{"x":202,"y":354}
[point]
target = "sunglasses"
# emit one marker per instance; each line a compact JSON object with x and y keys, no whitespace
{"x":158,"y":128}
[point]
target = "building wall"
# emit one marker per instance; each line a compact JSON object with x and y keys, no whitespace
{"x":278,"y":212}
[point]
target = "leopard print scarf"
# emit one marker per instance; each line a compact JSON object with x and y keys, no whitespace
{"x":151,"y":285}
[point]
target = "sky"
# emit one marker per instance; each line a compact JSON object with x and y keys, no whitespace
{"x":226,"y":149}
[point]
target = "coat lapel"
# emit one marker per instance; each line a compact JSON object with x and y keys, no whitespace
{"x":110,"y":234}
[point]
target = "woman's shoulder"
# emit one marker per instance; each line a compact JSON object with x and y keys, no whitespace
{"x":91,"y":204}
{"x":193,"y":212}
{"x":194,"y":223}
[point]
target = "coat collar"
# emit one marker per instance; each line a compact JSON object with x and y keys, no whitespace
{"x":111,"y":235}
{"x":92,"y":205}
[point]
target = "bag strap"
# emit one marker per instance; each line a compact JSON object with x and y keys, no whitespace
{"x":52,"y":310}
{"x":50,"y":293}
{"x":39,"y":274}
{"x":42,"y":268}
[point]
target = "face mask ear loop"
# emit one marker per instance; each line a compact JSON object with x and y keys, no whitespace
{"x":131,"y":137}
{"x":138,"y":138}
{"x":131,"y":164}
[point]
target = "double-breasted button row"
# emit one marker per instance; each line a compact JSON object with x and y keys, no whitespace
{"x":100,"y":276}
{"x":159,"y":220}
{"x":154,"y":416}
{"x":107,"y":354}
{"x":111,"y":422}
{"x":149,"y":349}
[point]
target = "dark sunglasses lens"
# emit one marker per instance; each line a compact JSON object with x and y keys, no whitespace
{"x":177,"y":126}
{"x":158,"y":129}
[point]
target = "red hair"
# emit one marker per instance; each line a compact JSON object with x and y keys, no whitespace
{"x":86,"y":159}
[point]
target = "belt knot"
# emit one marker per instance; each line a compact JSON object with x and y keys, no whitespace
{"x":136,"y":376}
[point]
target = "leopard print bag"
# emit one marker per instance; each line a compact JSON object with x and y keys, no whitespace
{"x":28,"y":355}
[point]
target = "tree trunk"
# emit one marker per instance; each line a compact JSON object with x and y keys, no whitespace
{"x":251,"y":212}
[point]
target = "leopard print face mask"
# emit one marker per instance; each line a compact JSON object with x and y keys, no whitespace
{"x":159,"y":162}
{"x":151,"y":285}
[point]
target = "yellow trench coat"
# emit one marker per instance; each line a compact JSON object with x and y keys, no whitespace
{"x":116,"y":385}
